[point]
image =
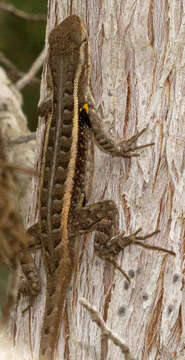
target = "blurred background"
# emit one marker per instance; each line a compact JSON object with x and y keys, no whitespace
{"x":21,"y":42}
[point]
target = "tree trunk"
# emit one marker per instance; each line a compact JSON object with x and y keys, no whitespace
{"x":137,"y":81}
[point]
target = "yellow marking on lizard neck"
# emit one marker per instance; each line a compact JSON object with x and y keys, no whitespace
{"x":85,"y":107}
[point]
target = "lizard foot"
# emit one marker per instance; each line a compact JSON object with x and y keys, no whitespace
{"x":126,"y":146}
{"x":120,"y":242}
{"x":124,"y":241}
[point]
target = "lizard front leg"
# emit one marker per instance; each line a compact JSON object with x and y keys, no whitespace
{"x":102,"y":217}
{"x":125,"y":148}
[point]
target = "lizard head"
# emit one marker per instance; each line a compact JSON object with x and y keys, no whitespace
{"x":68,"y":36}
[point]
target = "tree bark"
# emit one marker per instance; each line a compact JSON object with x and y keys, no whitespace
{"x":137,"y":81}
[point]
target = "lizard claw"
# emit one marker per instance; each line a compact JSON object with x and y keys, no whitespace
{"x":124,"y":241}
{"x":113,"y":262}
{"x":126,"y":147}
{"x":120,"y":242}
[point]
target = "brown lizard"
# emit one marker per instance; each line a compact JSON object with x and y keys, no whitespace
{"x":66,"y":174}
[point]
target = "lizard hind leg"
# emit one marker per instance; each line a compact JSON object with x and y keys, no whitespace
{"x":102,"y":217}
{"x":30,"y":282}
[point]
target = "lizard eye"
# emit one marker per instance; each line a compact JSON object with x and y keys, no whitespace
{"x":68,"y":37}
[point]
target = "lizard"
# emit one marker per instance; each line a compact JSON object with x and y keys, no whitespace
{"x":72,"y":125}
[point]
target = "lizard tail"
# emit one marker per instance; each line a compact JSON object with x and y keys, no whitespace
{"x":57,"y":287}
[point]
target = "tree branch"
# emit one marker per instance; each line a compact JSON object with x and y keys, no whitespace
{"x":105,"y":330}
{"x":32,"y":71}
{"x":12,"y":70}
{"x":21,"y":14}
{"x":23,"y":139}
